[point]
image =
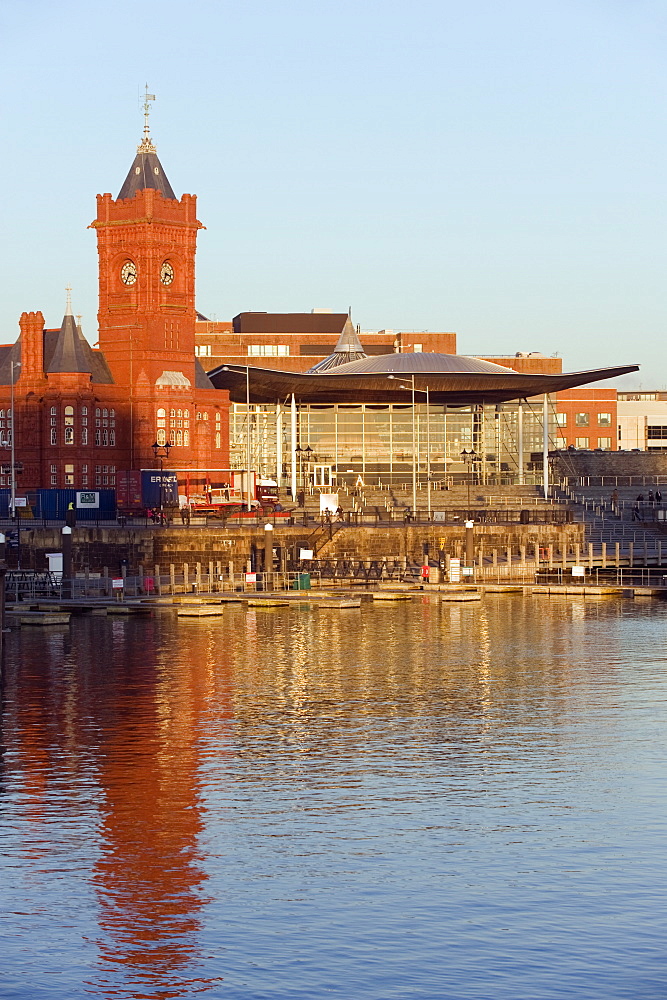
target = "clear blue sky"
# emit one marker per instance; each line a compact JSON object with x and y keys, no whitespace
{"x":496,"y":169}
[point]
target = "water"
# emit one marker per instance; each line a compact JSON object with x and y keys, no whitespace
{"x":412,"y":801}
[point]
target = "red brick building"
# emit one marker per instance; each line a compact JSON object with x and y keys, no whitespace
{"x":83,"y":415}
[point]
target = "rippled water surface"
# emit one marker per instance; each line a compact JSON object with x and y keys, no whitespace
{"x":414,"y":800}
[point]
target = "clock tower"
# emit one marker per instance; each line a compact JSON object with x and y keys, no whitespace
{"x":146,"y":240}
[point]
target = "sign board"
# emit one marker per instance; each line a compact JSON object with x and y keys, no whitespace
{"x":305,"y":553}
{"x":88,"y":500}
{"x":251,"y":578}
{"x":328,"y":502}
{"x":454,"y":570}
{"x":117,"y":583}
{"x":55,"y":562}
{"x":467,"y":571}
{"x":439,"y":515}
{"x":20,"y":502}
{"x":578,"y":571}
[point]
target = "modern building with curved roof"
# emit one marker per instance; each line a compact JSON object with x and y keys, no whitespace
{"x":396,"y":416}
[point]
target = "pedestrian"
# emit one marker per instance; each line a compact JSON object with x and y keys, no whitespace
{"x":636,"y":515}
{"x":640,"y":498}
{"x":614,"y":502}
{"x":658,"y":497}
{"x":651,"y":497}
{"x":70,"y":516}
{"x":301,"y":498}
{"x":339,"y":513}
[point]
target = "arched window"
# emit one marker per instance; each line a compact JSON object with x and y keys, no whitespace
{"x":112,"y":413}
{"x":179,"y":438}
{"x":162,"y":418}
{"x":112,"y":438}
{"x":161,"y":436}
{"x":172,"y":413}
{"x":180,"y":413}
{"x":218,"y":438}
{"x":54,"y":411}
{"x":105,"y":412}
{"x":69,"y":425}
{"x":84,"y":435}
{"x":186,"y":439}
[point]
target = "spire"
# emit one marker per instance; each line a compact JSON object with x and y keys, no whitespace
{"x":146,"y":171}
{"x":72,"y":351}
{"x":347,"y":349}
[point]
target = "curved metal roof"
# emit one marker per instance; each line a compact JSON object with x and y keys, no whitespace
{"x":418,"y":362}
{"x":456,"y":388}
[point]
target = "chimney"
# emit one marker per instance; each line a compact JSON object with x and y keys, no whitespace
{"x":32,"y":345}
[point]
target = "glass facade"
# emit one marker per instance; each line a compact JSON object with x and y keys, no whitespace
{"x":378,"y":441}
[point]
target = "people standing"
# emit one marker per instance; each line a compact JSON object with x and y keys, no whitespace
{"x":658,"y":497}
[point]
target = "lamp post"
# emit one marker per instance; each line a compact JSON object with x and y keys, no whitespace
{"x":161,"y":451}
{"x":468,"y":458}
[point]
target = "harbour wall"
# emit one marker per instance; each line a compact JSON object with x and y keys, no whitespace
{"x":97,"y":550}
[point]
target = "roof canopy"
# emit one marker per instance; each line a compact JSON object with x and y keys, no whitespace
{"x":450,"y":379}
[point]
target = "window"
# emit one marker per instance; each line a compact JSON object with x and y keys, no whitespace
{"x":417,"y":348}
{"x":561,"y":419}
{"x":161,"y":436}
{"x":604,"y":443}
{"x":217,"y":439}
{"x":105,"y":438}
{"x":581,"y":419}
{"x":84,"y":475}
{"x":54,"y":479}
{"x":84,"y":412}
{"x":582,"y":442}
{"x":561,"y":443}
{"x":268,"y":350}
{"x":54,"y":435}
{"x":604,"y":419}
{"x":186,"y":439}
{"x":112,"y":438}
{"x":84,"y":435}
{"x":203,"y":351}
{"x":98,"y":437}
{"x":162,"y":417}
{"x":656,"y":432}
{"x":179,"y":439}
{"x":69,"y":475}
{"x":69,"y":426}
{"x":54,"y":411}
{"x":54,"y":469}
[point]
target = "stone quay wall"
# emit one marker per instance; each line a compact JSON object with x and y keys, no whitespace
{"x":100,"y":550}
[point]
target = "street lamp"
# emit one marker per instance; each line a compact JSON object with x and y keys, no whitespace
{"x":161,"y":451}
{"x":469,"y":458}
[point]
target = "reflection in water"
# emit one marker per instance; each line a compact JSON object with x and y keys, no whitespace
{"x":308,"y":802}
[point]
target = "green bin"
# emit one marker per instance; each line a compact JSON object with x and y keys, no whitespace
{"x":302,"y":582}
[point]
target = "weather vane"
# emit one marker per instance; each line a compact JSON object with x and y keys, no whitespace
{"x":147,"y":145}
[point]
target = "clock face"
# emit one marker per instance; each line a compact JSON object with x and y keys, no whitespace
{"x":128,"y":273}
{"x":166,"y":273}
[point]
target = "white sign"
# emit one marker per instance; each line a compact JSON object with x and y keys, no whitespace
{"x":454,"y":570}
{"x":117,"y":583}
{"x":251,"y":578}
{"x":578,"y":571}
{"x":20,"y":502}
{"x":86,"y":499}
{"x":439,"y":515}
{"x":305,"y":553}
